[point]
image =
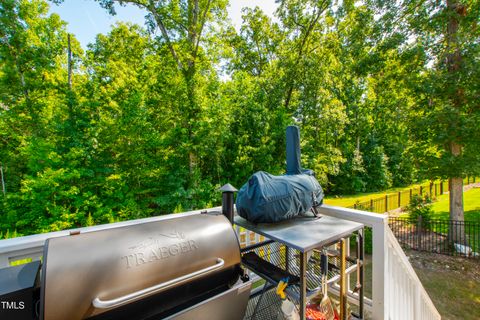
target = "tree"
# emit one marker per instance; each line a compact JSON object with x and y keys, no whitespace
{"x":33,"y":84}
{"x":300,"y":19}
{"x":183,"y":26}
{"x":30,"y":53}
{"x":453,"y":99}
{"x":459,"y":23}
{"x":444,"y":118}
{"x":253,"y":99}
{"x":258,"y":44}
{"x":385,"y":92}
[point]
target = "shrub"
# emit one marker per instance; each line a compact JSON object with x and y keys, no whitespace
{"x":421,"y":207}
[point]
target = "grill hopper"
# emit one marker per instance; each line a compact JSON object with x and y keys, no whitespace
{"x":138,"y":271}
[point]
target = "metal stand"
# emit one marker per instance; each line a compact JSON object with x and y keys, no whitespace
{"x":304,"y":236}
{"x":343,"y":287}
{"x":303,"y":284}
{"x":361,"y":251}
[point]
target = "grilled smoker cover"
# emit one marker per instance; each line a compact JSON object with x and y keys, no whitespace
{"x":169,"y":261}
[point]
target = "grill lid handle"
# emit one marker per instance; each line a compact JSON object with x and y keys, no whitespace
{"x":105,"y":304}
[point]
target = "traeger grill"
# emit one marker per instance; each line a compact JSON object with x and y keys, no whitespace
{"x":185,"y":267}
{"x":146,"y":271}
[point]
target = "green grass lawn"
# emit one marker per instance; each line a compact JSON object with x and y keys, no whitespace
{"x":350,"y":200}
{"x":471,"y":206}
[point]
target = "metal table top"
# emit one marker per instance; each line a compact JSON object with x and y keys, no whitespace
{"x":303,"y":233}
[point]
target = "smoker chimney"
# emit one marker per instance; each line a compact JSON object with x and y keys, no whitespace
{"x":293,"y":150}
{"x":227,"y":201}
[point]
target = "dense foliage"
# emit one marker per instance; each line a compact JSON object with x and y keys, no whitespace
{"x":157,"y":118}
{"x":421,"y":208}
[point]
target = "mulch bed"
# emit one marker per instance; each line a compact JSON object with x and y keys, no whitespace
{"x":439,"y":262}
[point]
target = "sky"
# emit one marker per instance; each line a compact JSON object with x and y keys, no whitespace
{"x":86,"y":18}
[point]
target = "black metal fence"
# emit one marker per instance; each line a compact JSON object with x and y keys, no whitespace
{"x":433,"y":235}
{"x":401,"y":199}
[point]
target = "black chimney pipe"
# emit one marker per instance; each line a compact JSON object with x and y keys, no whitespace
{"x":227,"y":201}
{"x":293,"y":150}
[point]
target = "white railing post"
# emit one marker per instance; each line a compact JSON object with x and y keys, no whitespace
{"x":248,"y":242}
{"x":379,"y":270}
{"x":239,"y":235}
{"x":417,"y":306}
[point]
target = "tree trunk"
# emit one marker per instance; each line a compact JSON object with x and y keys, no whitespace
{"x":457,"y":230}
{"x":69,"y":63}
{"x":456,"y":199}
{"x":3,"y":181}
{"x":454,"y":58}
{"x":192,"y":114}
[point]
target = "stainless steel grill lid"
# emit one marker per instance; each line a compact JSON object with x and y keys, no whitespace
{"x":89,"y":274}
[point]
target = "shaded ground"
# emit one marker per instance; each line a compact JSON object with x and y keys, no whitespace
{"x":412,"y":237}
{"x":453,"y":283}
{"x":435,"y":239}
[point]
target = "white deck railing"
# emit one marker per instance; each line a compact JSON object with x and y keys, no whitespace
{"x":397,"y":293}
{"x":404,"y":287}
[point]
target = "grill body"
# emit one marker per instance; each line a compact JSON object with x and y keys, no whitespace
{"x":150,"y":270}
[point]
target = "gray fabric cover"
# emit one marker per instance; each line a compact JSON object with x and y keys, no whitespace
{"x":268,"y":198}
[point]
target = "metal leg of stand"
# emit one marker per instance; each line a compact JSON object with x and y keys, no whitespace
{"x":362,"y":259}
{"x":347,"y":245}
{"x":287,"y":258}
{"x":343,"y":288}
{"x":303,"y":284}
